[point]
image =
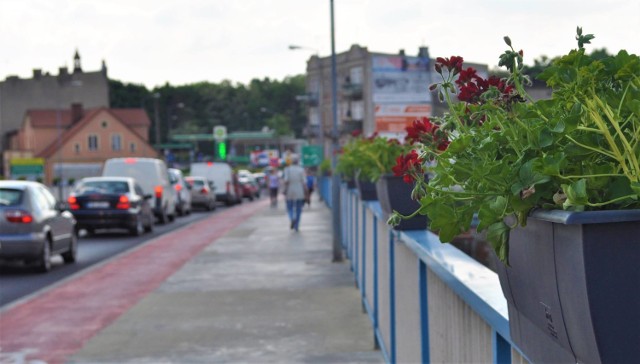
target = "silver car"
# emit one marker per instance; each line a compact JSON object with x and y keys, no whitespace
{"x":34,"y":226}
{"x":203,"y":192}
{"x":183,"y":205}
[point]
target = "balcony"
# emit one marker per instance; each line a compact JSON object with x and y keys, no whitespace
{"x":310,"y":99}
{"x":352,"y":91}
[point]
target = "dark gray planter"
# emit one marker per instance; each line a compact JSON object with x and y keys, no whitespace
{"x":395,"y":194}
{"x":367,"y":190}
{"x":573,"y":287}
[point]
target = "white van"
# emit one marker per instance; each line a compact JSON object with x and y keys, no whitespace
{"x":152,"y":175}
{"x":221,"y":175}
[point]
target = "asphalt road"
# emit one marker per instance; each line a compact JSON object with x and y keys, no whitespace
{"x":18,"y":281}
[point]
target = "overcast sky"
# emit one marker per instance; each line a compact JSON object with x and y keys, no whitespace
{"x":151,"y":42}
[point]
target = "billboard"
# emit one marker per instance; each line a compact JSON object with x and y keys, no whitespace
{"x":393,"y":118}
{"x":401,"y":79}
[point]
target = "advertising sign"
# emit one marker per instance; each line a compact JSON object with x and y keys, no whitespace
{"x":401,"y":79}
{"x":393,"y":118}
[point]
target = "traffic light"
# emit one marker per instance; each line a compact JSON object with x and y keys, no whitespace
{"x":222,"y":150}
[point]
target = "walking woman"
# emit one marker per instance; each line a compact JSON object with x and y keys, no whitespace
{"x":295,"y":183}
{"x":273,"y":181}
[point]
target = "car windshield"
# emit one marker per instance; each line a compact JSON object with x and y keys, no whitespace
{"x":114,"y":187}
{"x":10,"y":197}
{"x":196,"y":182}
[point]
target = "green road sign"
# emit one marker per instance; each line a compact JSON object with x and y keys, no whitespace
{"x":312,"y":155}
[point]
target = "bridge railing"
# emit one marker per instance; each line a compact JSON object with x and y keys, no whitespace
{"x":427,"y":301}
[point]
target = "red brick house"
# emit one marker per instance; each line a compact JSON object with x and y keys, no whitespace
{"x":78,"y":141}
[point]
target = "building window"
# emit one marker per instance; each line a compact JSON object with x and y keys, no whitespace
{"x":132,"y":147}
{"x":76,"y":148}
{"x":92,"y":142}
{"x":116,"y":142}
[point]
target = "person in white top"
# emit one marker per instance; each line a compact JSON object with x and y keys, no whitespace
{"x":296,"y":192}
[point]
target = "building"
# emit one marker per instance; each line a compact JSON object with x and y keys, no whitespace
{"x":47,"y":91}
{"x":377,"y":92}
{"x":74,"y":143}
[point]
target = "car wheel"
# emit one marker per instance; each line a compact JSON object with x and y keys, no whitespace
{"x":172,"y":217}
{"x":71,"y":255}
{"x":163,"y":217}
{"x":149,"y":227}
{"x":138,"y":229}
{"x":44,"y":262}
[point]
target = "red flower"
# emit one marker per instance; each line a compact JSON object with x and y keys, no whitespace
{"x":425,"y":132}
{"x":356,"y":133}
{"x":453,"y":64}
{"x":408,"y":166}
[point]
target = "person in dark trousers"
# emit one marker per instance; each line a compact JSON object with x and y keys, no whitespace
{"x":311,"y":183}
{"x":273,"y":182}
{"x":295,"y":185}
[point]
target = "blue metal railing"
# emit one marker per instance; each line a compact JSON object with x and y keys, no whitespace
{"x":477,"y":286}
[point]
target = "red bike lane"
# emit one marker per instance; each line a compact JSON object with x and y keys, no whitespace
{"x":57,"y":323}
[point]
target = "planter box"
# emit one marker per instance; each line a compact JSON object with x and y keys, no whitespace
{"x":367,"y":190}
{"x":395,"y":194}
{"x":573,"y":287}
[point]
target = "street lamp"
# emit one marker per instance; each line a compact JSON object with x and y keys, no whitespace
{"x":318,"y":91}
{"x":156,"y":100}
{"x":335,"y":179}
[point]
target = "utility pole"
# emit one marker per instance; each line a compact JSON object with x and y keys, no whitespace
{"x":156,"y":116}
{"x":335,"y":179}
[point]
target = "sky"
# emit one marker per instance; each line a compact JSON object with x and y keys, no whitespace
{"x":152,"y":42}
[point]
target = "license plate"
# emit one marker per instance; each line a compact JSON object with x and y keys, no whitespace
{"x":98,"y":205}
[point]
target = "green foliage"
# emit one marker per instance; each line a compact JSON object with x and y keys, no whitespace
{"x":369,"y":158}
{"x":578,"y":151}
{"x":196,"y":108}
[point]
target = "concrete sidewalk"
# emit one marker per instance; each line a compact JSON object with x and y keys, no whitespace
{"x":260,"y":293}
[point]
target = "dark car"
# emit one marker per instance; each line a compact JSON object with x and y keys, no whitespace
{"x":111,"y":202}
{"x":34,"y":225}
{"x":250,"y":188}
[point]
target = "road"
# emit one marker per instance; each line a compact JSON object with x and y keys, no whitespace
{"x":18,"y":281}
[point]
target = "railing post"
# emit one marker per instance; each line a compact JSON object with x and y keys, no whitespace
{"x":424,"y":311}
{"x":392,"y":299}
{"x":501,"y":349}
{"x":375,"y":281}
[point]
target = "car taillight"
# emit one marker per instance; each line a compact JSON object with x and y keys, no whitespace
{"x":178,"y":188}
{"x":204,"y":191}
{"x":158,"y":191}
{"x":73,"y":203}
{"x":18,"y":216}
{"x":123,"y":203}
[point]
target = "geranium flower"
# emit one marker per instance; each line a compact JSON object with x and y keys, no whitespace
{"x":452,"y":64}
{"x":409,"y":166}
{"x":425,"y":132}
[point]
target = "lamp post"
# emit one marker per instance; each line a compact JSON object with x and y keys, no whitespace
{"x":335,"y":179}
{"x":156,"y":100}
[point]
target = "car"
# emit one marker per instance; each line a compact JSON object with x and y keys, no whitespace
{"x":228,"y":189}
{"x":261,"y":178}
{"x":250,"y":188}
{"x":203,"y":192}
{"x":111,"y":203}
{"x":183,"y":207}
{"x":34,"y":226}
{"x":153,"y":177}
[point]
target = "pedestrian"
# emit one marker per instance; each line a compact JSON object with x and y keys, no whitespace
{"x":274,"y":186}
{"x":311,"y":183}
{"x":295,"y":191}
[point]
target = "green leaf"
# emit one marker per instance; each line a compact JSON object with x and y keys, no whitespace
{"x":443,"y":220}
{"x":491,"y":213}
{"x":545,"y":138}
{"x":576,"y":195}
{"x":498,"y":236}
